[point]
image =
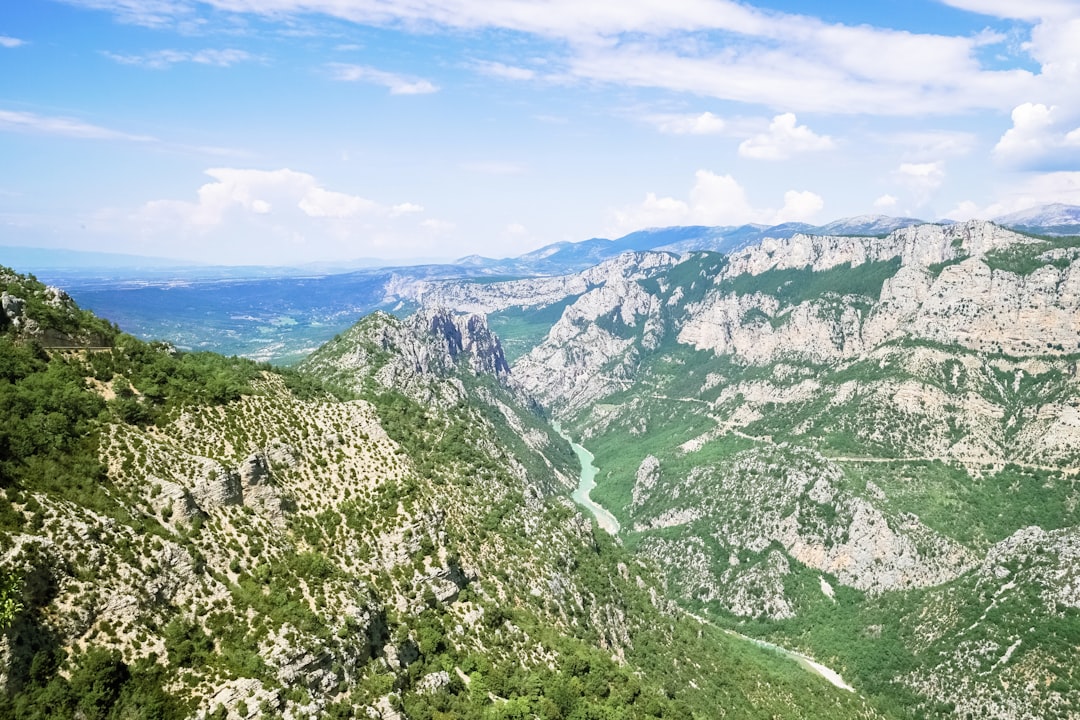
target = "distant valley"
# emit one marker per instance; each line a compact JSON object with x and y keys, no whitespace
{"x":282,"y":314}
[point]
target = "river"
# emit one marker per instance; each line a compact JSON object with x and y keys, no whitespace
{"x":607,"y":521}
{"x":806,"y":662}
{"x":586,"y":482}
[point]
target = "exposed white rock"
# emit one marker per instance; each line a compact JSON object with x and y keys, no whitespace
{"x":648,"y":473}
{"x":485,"y":298}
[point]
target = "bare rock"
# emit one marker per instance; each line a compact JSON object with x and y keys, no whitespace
{"x":213,"y":485}
{"x":433,"y":682}
{"x":648,"y":473}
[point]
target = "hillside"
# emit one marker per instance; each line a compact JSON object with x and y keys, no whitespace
{"x":864,"y":447}
{"x":383,"y":534}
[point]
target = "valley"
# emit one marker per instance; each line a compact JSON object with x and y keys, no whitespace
{"x":815,"y":472}
{"x":586,"y":483}
{"x":539,"y":360}
{"x":815,"y":454}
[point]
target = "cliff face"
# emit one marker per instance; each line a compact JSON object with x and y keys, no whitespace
{"x":821,"y":299}
{"x":199,"y":536}
{"x":406,"y":355}
{"x":865,"y":448}
{"x":840,"y":432}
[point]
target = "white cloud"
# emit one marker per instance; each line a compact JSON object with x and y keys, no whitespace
{"x":405,"y":209}
{"x":10,"y":42}
{"x":67,"y":127}
{"x":784,"y":139}
{"x":1044,"y":189}
{"x":397,"y":84}
{"x":714,"y":200}
{"x":149,"y":13}
{"x":716,"y":48}
{"x":966,"y":210}
{"x":262,"y":192}
{"x":516,"y":229}
{"x":799,"y":207}
{"x":922,"y":179}
{"x":507,"y":72}
{"x":438,"y":226}
{"x":250,"y":216}
{"x":1027,"y":10}
{"x":885,"y":202}
{"x":161,"y":59}
{"x":692,"y":124}
{"x":933,"y":143}
{"x":1038,"y":137}
{"x":318,"y":202}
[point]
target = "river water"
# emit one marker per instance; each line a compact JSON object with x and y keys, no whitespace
{"x":607,"y":521}
{"x":586,"y":482}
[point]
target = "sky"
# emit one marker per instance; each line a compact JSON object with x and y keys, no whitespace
{"x":281,"y":132}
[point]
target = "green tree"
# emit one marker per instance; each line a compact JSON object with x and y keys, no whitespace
{"x":10,"y":600}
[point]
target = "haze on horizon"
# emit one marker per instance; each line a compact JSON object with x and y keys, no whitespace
{"x":285,"y":132}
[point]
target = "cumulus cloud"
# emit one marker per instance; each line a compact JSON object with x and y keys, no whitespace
{"x":689,"y":124}
{"x":318,"y":202}
{"x":397,"y":84}
{"x":161,"y":59}
{"x":714,"y":200}
{"x":784,"y":139}
{"x":10,"y":42}
{"x":799,"y":206}
{"x":251,"y":216}
{"x":1044,"y":189}
{"x":885,"y":202}
{"x":262,"y":192}
{"x":405,"y":209}
{"x":516,"y":229}
{"x":67,"y":127}
{"x":1041,"y":136}
{"x":922,"y":179}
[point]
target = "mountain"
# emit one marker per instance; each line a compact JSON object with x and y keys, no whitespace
{"x":383,"y":533}
{"x":865,"y":225}
{"x":283,"y":314}
{"x":1055,"y":219}
{"x":865,"y":448}
{"x":860,"y":448}
{"x":569,"y":256}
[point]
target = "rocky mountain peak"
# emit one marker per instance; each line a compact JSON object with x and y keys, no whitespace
{"x":466,"y":339}
{"x":414,"y":355}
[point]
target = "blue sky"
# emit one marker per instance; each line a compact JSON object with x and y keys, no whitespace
{"x":285,"y":131}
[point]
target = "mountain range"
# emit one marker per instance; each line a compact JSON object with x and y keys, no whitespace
{"x":842,"y":471}
{"x":282,"y":314}
{"x":862,"y":447}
